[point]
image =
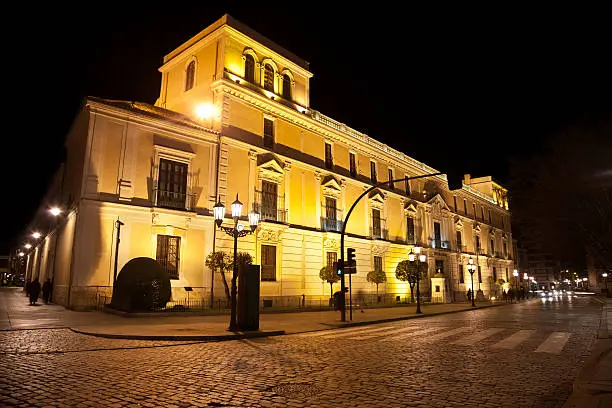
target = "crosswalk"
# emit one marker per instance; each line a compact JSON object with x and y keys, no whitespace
{"x":495,"y":337}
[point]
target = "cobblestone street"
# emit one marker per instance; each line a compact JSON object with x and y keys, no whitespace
{"x":518,"y":356}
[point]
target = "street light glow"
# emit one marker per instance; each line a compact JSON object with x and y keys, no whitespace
{"x":21,"y":254}
{"x":36,"y":235}
{"x":27,"y":246}
{"x":55,"y":211}
{"x":207,"y":111}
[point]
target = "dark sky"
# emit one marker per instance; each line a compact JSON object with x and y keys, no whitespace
{"x":460,"y":90}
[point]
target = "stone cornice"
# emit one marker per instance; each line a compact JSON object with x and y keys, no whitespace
{"x":368,"y":146}
{"x":192,"y":134}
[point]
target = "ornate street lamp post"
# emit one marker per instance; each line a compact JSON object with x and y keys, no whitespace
{"x":471,"y":269}
{"x":415,"y":255}
{"x":237,"y":230}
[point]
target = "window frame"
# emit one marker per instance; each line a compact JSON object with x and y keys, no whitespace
{"x":169,"y":238}
{"x":190,"y":76}
{"x":266,"y":278}
{"x":269,"y":140}
{"x":373,"y":175}
{"x":329,"y":156}
{"x":353,"y":164}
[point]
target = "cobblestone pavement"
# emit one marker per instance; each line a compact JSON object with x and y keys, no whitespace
{"x":524,"y":355}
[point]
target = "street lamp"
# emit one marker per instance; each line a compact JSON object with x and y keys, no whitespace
{"x":605,"y":276}
{"x":471,"y":269}
{"x":415,"y":255}
{"x":36,"y":235}
{"x":516,"y":274}
{"x":237,"y":230}
{"x":55,"y":211}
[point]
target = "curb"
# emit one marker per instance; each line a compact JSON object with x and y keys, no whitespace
{"x":396,"y":319}
{"x":219,"y":337}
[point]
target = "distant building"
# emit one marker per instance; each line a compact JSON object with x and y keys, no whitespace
{"x":234,"y":117}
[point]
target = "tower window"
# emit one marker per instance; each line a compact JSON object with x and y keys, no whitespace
{"x":287,"y":87}
{"x":249,"y":68}
{"x":190,"y":76}
{"x":269,"y":78}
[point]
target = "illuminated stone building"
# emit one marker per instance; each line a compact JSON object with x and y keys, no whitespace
{"x":234,"y":117}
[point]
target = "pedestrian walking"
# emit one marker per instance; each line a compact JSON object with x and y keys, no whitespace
{"x":46,"y":290}
{"x":511,"y":295}
{"x":469,"y":294}
{"x":26,"y":288}
{"x":34,"y":291}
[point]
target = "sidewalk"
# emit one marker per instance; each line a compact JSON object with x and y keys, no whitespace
{"x":593,"y":385}
{"x":15,"y":314}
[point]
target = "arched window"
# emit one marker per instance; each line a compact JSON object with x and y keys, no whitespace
{"x":249,"y":68}
{"x":286,"y":87}
{"x":190,"y":75}
{"x":269,"y":78}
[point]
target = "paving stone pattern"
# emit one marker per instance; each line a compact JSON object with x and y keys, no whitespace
{"x":54,"y":368}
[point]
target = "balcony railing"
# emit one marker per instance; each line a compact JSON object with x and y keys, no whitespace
{"x":331,"y":224}
{"x":440,"y":244}
{"x":379,"y":230}
{"x":270,"y":207}
{"x":173,"y":200}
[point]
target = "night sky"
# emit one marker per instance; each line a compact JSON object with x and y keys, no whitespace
{"x":461,"y":90}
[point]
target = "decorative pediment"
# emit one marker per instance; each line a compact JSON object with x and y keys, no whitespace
{"x":269,"y":233}
{"x":438,"y":206}
{"x":504,"y":236}
{"x":270,"y":168}
{"x":377,"y":199}
{"x":331,"y":186}
{"x":476,"y":227}
{"x":380,"y":249}
{"x":410,"y":208}
{"x":330,"y":243}
{"x":458,"y":223}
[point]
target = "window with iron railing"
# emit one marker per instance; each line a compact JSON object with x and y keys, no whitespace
{"x":459,"y":240}
{"x":437,"y":235}
{"x":269,"y":204}
{"x":461,"y":274}
{"x":332,"y":219}
{"x":168,"y":254}
{"x":171,"y":191}
{"x":376,"y":230}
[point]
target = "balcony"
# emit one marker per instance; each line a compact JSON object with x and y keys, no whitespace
{"x":173,"y":200}
{"x":270,"y":207}
{"x":331,"y":224}
{"x":440,"y":244}
{"x":378,"y":230}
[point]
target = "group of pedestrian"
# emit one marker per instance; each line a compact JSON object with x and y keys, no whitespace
{"x":511,"y":294}
{"x":32,"y":290}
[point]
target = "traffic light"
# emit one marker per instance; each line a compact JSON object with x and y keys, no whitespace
{"x":339,"y":267}
{"x":350,"y":257}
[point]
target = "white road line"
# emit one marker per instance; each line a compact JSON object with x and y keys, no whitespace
{"x":511,"y":342}
{"x":471,"y":340}
{"x":390,"y":332}
{"x":554,"y":343}
{"x":416,"y":333}
{"x":448,"y":333}
{"x":345,"y":334}
{"x":334,"y":331}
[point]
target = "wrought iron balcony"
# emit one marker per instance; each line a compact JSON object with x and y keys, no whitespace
{"x":379,"y":230}
{"x":440,"y":244}
{"x":270,"y":207}
{"x":331,"y":224}
{"x":173,"y":200}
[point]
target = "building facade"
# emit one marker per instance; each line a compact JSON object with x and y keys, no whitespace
{"x":234,"y":119}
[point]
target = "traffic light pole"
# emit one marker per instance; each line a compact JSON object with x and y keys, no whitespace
{"x":348,"y":214}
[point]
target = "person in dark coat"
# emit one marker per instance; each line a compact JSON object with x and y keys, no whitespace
{"x":46,"y":290}
{"x":34,"y":291}
{"x":26,"y":288}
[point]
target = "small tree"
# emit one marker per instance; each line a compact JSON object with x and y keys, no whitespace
{"x":407,"y":271}
{"x":327,"y":274}
{"x":377,"y":277}
{"x":219,"y":261}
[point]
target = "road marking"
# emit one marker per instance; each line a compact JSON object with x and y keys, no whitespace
{"x":470,"y":340}
{"x":554,"y":343}
{"x":416,"y":333}
{"x":448,"y":333}
{"x":405,"y":329}
{"x":514,"y":340}
{"x":352,"y":333}
{"x":333,"y":331}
